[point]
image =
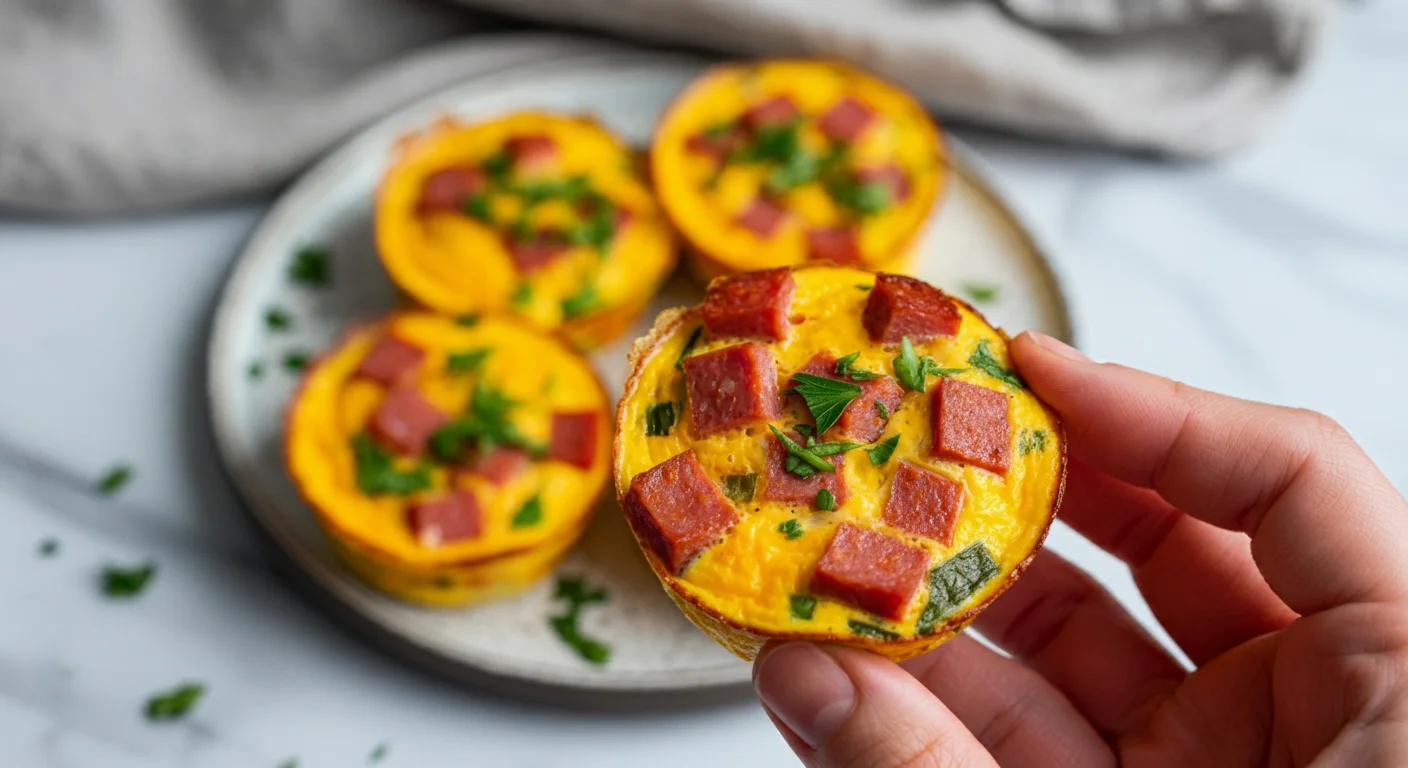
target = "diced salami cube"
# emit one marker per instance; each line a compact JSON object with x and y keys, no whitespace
{"x":751,"y":305}
{"x":777,"y":110}
{"x":731,"y":387}
{"x":838,"y":245}
{"x":902,"y":306}
{"x":499,"y":465}
{"x":448,"y":519}
{"x":717,"y":144}
{"x":533,"y":155}
{"x":861,"y":421}
{"x":846,"y":120}
{"x":624,"y":216}
{"x":971,"y":425}
{"x":389,"y":360}
{"x":762,"y":217}
{"x":891,"y":175}
{"x":871,"y":571}
{"x":678,"y":510}
{"x":574,"y":438}
{"x":405,"y":420}
{"x":789,"y":488}
{"x":446,"y":189}
{"x":532,"y":255}
{"x":924,"y":502}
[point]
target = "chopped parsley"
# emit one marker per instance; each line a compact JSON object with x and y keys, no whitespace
{"x":276,"y":319}
{"x":255,"y":370}
{"x":468,"y":361}
{"x":882,"y":410}
{"x":478,"y":207}
{"x":484,"y":425}
{"x":740,"y":488}
{"x":882,"y":452}
{"x":175,"y":703}
{"x":531,"y":513}
{"x":825,"y":501}
{"x":598,"y":229}
{"x":953,"y":581}
{"x":870,"y":197}
{"x":830,"y":448}
{"x":378,"y":754}
{"x":580,"y":304}
{"x":778,"y":143}
{"x":570,"y":190}
{"x":1031,"y":441}
{"x":688,"y":347}
{"x":127,"y":582}
{"x":798,"y":168}
{"x":377,"y":473}
{"x":48,"y":547}
{"x":292,"y":762}
{"x":980,"y":292}
{"x":467,"y":321}
{"x":295,"y":361}
{"x":804,"y":457}
{"x":803,"y":606}
{"x":659,"y":418}
{"x":498,"y":165}
{"x":864,"y":287}
{"x":576,"y":593}
{"x":522,"y":295}
{"x":791,"y":529}
{"x":114,"y":481}
{"x":846,"y":367}
{"x":310,"y":267}
{"x":911,"y":369}
{"x":983,"y":360}
{"x":825,"y":398}
{"x":870,"y":630}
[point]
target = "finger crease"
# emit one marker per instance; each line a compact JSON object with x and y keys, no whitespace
{"x":1005,"y":724}
{"x":1039,"y":622}
{"x":1140,"y":536}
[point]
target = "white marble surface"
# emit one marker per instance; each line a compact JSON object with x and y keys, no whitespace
{"x":1279,"y":274}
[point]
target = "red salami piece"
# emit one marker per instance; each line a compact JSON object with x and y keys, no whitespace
{"x":838,"y":245}
{"x":762,"y":217}
{"x":731,"y":387}
{"x":532,"y":255}
{"x":532,"y":154}
{"x":624,"y":216}
{"x":891,"y":175}
{"x":446,"y":189}
{"x":971,"y":426}
{"x":872,"y":571}
{"x":677,"y":510}
{"x":719,"y":144}
{"x":574,"y":438}
{"x":499,"y":465}
{"x":778,"y":110}
{"x":791,"y":489}
{"x":924,"y":502}
{"x":861,"y":421}
{"x":405,"y":420}
{"x":445,"y":520}
{"x":753,"y":304}
{"x":903,"y":306}
{"x":846,"y":120}
{"x":389,"y":360}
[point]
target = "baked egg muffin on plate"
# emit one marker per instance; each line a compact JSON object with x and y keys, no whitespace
{"x":449,"y":461}
{"x":829,"y":454}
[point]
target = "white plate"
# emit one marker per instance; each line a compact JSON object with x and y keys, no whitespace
{"x":657,"y":654}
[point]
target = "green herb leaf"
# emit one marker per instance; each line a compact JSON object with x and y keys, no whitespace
{"x":378,"y":754}
{"x":791,"y":528}
{"x":980,"y":292}
{"x":825,"y":501}
{"x":911,"y":369}
{"x":570,"y":190}
{"x":174,"y":704}
{"x":276,"y":319}
{"x":953,"y":581}
{"x":522,"y":295}
{"x":798,"y":467}
{"x":484,"y":425}
{"x":295,"y":361}
{"x":48,"y":547}
{"x":467,"y":361}
{"x":845,"y":367}
{"x":871,"y":197}
{"x":659,"y":418}
{"x":882,"y":452}
{"x":583,"y":302}
{"x":870,"y":630}
{"x":531,"y":513}
{"x":377,"y":473}
{"x":983,"y":360}
{"x":864,"y":287}
{"x":310,"y":267}
{"x":774,"y":142}
{"x":467,"y":321}
{"x":825,"y":398}
{"x":292,"y":762}
{"x":799,"y":168}
{"x":598,"y":229}
{"x":478,"y":207}
{"x":577,"y":594}
{"x":882,"y":410}
{"x":688,"y":347}
{"x":831,"y":448}
{"x":803,"y":606}
{"x":740,"y":488}
{"x":114,"y":480}
{"x":127,"y":582}
{"x":255,"y":370}
{"x":806,"y":457}
{"x":1031,"y":440}
{"x":497,"y":166}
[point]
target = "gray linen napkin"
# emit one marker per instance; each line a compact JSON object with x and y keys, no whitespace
{"x":123,"y":105}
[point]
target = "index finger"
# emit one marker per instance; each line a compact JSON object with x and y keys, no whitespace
{"x":1327,"y":527}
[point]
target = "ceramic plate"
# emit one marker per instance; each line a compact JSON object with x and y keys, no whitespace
{"x":657,"y":655}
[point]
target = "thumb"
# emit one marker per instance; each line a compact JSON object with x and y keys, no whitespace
{"x":840,"y":706}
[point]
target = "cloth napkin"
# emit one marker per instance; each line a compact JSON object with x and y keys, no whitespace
{"x":126,"y":105}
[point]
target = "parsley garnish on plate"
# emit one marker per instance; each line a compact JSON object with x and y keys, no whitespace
{"x":377,"y":472}
{"x":741,"y":487}
{"x":276,"y":319}
{"x":659,"y":418}
{"x":846,"y":367}
{"x":378,"y":754}
{"x":802,"y":606}
{"x":792,"y":529}
{"x":467,"y":361}
{"x":981,"y":292}
{"x":983,"y":360}
{"x":911,"y":369}
{"x":825,"y":398}
{"x":531,"y":513}
{"x":295,"y":361}
{"x":1032,"y":440}
{"x":310,"y":267}
{"x":49,"y":547}
{"x":255,"y":370}
{"x":175,"y":703}
{"x":825,"y":501}
{"x":688,"y":347}
{"x":115,"y":479}
{"x":292,"y":762}
{"x":127,"y":582}
{"x":576,"y":593}
{"x":805,"y":457}
{"x":870,"y":630}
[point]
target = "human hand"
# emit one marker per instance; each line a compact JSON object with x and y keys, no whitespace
{"x":1268,"y":545}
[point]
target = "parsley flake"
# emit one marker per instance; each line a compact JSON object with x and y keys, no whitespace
{"x":498,"y":165}
{"x":310,"y":267}
{"x":478,"y":207}
{"x":688,"y":347}
{"x":953,"y":581}
{"x":295,"y":361}
{"x":791,"y":529}
{"x":825,"y":501}
{"x":378,"y":754}
{"x":882,"y":452}
{"x":127,"y":582}
{"x":846,"y":367}
{"x":659,"y":418}
{"x":576,"y":593}
{"x":1031,"y":441}
{"x":980,"y":292}
{"x":484,"y":425}
{"x":276,"y":319}
{"x":531,"y":513}
{"x":830,"y":448}
{"x":911,"y":369}
{"x":114,"y":480}
{"x":377,"y":473}
{"x":870,"y":630}
{"x":882,"y":410}
{"x":825,"y":398}
{"x":175,"y":703}
{"x":803,"y":606}
{"x":868,"y":197}
{"x":292,"y":762}
{"x":983,"y":360}
{"x":48,"y":547}
{"x":741,"y":488}
{"x":467,"y":321}
{"x":468,"y":361}
{"x":580,"y":304}
{"x":805,"y":457}
{"x":522,"y":295}
{"x":255,"y":370}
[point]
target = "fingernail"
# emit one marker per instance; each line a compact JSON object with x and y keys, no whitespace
{"x":806,"y":689}
{"x":1052,"y":344}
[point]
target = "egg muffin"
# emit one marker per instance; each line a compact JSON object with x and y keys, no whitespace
{"x":781,"y":163}
{"x":449,"y":461}
{"x":539,"y":214}
{"x":824,"y":453}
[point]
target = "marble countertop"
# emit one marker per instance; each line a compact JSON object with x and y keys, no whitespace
{"x":1280,"y":274}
